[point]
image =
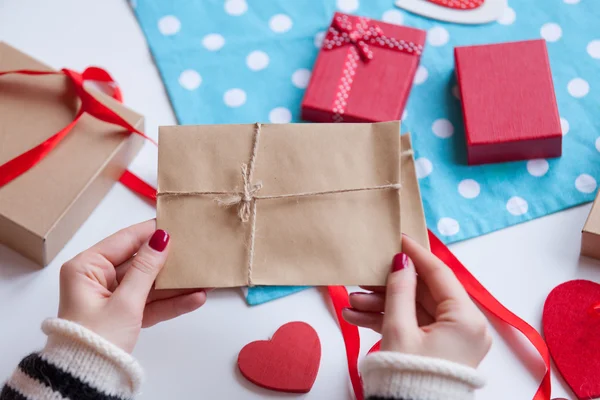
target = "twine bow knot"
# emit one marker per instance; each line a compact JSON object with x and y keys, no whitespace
{"x":245,"y":198}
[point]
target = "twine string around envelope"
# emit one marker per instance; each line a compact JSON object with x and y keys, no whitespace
{"x":246,"y":199}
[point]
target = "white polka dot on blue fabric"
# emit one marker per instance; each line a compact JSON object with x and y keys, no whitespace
{"x":551,"y":32}
{"x":423,"y":167}
{"x":508,"y":16}
{"x":578,"y":87}
{"x":301,"y":77}
{"x":257,"y":60}
{"x":347,"y":6}
{"x":517,"y":206}
{"x":421,"y":75}
{"x":280,"y":115}
{"x":442,"y":128}
{"x":318,"y":40}
{"x":213,"y":41}
{"x":564,"y":125}
{"x":537,"y":167}
{"x":234,"y":97}
{"x":593,"y":49}
{"x":469,"y":188}
{"x":169,"y":25}
{"x":393,"y":17}
{"x":585,"y":183}
{"x":437,"y":36}
{"x":190,"y":79}
{"x":404,"y":115}
{"x":235,"y":7}
{"x":571,"y":1}
{"x":280,"y":23}
{"x":448,"y":226}
{"x":598,"y":144}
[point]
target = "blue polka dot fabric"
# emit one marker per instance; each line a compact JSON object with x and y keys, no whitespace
{"x":242,"y":61}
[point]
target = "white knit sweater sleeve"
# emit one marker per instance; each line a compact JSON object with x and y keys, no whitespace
{"x":397,"y":376}
{"x":76,"y":363}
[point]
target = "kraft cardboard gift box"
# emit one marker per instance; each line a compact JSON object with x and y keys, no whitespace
{"x":43,"y":208}
{"x":590,"y":236}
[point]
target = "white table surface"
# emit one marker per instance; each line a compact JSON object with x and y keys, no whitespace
{"x":195,"y":355}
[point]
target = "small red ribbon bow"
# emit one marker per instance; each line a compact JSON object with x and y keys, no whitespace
{"x":361,"y":35}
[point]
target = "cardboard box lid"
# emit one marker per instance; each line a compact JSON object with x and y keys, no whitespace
{"x":507,"y":92}
{"x":592,"y":225}
{"x":31,"y":110}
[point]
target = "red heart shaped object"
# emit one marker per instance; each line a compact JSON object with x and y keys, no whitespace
{"x":289,"y":362}
{"x":572,"y":331}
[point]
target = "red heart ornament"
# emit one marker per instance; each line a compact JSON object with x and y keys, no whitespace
{"x":289,"y":362}
{"x":572,"y":330}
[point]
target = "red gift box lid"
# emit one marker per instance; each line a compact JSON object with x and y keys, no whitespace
{"x":379,"y":86}
{"x":507,"y":95}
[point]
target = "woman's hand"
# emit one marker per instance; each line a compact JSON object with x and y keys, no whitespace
{"x":424,"y":310}
{"x":109,"y":287}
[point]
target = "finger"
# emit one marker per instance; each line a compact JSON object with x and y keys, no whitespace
{"x":400,"y":297}
{"x":376,"y":289}
{"x":438,"y":277}
{"x":92,"y":266}
{"x":423,"y":317}
{"x":368,"y":320}
{"x":156,"y":295}
{"x":163,"y":310}
{"x":374,"y":321}
{"x":375,"y":301}
{"x":145,"y":266}
{"x":424,"y":298}
{"x":121,"y":246}
{"x":369,"y":302}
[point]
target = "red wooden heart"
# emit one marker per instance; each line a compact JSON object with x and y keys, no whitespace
{"x":289,"y":362}
{"x":572,"y":329}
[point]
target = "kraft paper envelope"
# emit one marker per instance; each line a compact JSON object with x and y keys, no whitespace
{"x":285,"y":204}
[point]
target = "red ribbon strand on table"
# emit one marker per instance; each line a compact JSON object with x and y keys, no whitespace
{"x":458,"y":4}
{"x":22,"y":163}
{"x":338,"y":294}
{"x":339,"y":297}
{"x":359,"y":36}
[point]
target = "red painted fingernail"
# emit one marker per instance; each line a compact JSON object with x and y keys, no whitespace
{"x":159,"y":240}
{"x":400,"y":262}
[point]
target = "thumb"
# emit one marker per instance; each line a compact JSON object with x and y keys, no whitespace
{"x":144,"y":267}
{"x":400,"y":317}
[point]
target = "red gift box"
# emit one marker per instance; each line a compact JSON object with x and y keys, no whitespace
{"x":364,"y":71}
{"x":508,"y":102}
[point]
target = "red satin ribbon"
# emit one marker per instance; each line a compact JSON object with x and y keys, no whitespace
{"x":22,"y":163}
{"x":138,"y":186}
{"x":475,"y":290}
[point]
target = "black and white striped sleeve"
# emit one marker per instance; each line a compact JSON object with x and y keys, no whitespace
{"x":75,"y":364}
